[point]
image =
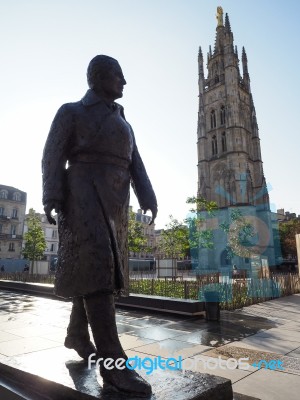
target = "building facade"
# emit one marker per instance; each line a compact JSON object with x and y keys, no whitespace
{"x":230,"y":168}
{"x":12,"y":216}
{"x":148,"y":232}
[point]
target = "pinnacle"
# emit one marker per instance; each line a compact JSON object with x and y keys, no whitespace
{"x":227,"y":24}
{"x":200,"y":55}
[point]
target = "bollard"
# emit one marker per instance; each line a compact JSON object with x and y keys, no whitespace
{"x":212,"y":306}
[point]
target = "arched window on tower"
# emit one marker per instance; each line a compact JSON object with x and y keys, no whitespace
{"x":224,"y":144}
{"x":213,"y":123}
{"x":222,"y":115}
{"x":214,"y":145}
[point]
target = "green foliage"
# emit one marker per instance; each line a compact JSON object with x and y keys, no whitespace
{"x":35,"y":243}
{"x":199,"y":236}
{"x":137,"y":242}
{"x":287,"y":232}
{"x":201,"y":204}
{"x":174,"y":240}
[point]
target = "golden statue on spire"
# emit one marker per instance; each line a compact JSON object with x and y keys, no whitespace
{"x":219,"y":16}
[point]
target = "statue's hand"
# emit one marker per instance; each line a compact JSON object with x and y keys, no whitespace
{"x":153,"y":210}
{"x":53,"y":205}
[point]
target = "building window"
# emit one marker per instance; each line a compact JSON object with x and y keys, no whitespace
{"x":224,"y":145}
{"x":0,"y":228}
{"x":14,"y":213}
{"x":11,"y":247}
{"x":222,"y":115}
{"x":3,"y":194}
{"x":1,"y":211}
{"x":52,"y":248}
{"x":214,"y":145}
{"x":213,"y":122}
{"x":17,"y":196}
{"x":13,"y":229}
{"x":54,"y":234}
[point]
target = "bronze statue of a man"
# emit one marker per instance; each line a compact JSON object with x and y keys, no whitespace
{"x":89,"y":160}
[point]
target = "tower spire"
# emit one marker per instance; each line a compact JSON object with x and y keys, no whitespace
{"x":230,"y":167}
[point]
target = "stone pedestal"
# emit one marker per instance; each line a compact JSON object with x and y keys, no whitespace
{"x":18,"y":385}
{"x":166,"y":385}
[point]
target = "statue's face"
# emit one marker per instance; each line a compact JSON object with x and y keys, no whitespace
{"x":112,"y":83}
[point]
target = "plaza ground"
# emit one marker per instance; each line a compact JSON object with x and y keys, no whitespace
{"x":32,"y":332}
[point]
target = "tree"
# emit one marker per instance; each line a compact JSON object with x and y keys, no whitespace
{"x":137,"y":242}
{"x":174,"y":240}
{"x":287,"y":232}
{"x":35,"y":243}
{"x":199,"y":236}
{"x":201,"y":204}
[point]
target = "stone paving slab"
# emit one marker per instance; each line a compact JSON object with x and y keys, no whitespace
{"x":269,"y":385}
{"x":291,"y":335}
{"x":25,"y":345}
{"x":172,"y":348}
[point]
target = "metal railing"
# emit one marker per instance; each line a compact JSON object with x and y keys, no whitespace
{"x":236,"y":293}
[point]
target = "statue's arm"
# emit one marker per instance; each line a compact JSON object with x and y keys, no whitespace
{"x":141,"y":184}
{"x":54,"y":161}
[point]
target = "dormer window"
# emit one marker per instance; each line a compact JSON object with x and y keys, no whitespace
{"x":17,"y":196}
{"x":3,"y":194}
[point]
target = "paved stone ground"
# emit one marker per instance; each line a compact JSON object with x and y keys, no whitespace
{"x":32,"y":331}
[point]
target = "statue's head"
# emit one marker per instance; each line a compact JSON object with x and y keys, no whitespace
{"x":105,"y":75}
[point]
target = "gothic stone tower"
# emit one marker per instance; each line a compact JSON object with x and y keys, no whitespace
{"x":230,"y":168}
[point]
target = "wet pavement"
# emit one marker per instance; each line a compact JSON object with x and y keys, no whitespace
{"x":32,"y":332}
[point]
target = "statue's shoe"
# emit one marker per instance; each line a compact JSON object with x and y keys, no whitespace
{"x":83,"y":347}
{"x":125,"y":381}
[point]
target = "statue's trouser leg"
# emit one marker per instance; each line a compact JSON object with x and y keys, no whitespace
{"x":100,"y":310}
{"x":78,"y":337}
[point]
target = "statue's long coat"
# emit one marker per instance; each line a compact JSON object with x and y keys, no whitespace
{"x":103,"y":159}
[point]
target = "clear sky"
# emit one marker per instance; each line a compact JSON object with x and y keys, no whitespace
{"x":46,"y":46}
